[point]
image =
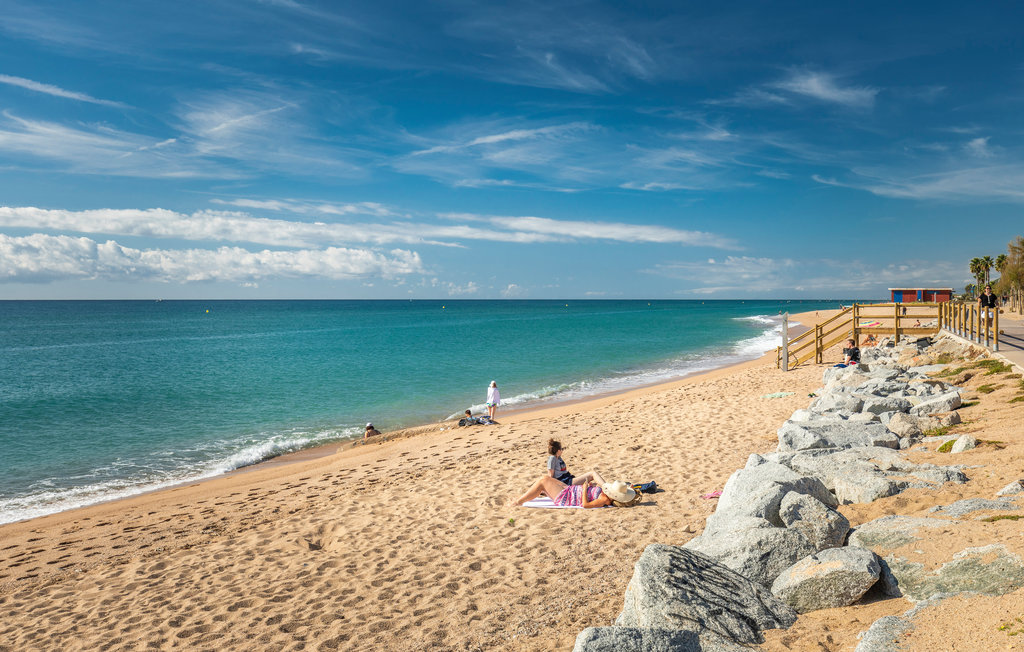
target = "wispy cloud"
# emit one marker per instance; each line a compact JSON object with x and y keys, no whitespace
{"x":748,"y":276}
{"x":41,"y":258}
{"x":979,"y":148}
{"x":614,"y":231}
{"x":56,"y":91}
{"x":100,"y":149}
{"x":985,"y":183}
{"x":798,"y":87}
{"x":309,"y":207}
{"x":224,"y":226}
{"x":553,"y":132}
{"x":827,"y":88}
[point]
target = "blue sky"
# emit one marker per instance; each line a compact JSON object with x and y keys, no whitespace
{"x":293,"y":149}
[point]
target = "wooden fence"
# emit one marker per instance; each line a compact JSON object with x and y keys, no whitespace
{"x":861,"y":321}
{"x":971,"y":322}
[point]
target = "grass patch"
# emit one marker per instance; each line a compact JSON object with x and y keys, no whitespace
{"x":993,"y":366}
{"x":948,"y":446}
{"x":1013,"y":376}
{"x":1003,"y":517}
{"x":994,"y":443}
{"x":1017,"y":399}
{"x":941,"y":431}
{"x":988,"y":389}
{"x":968,"y":404}
{"x":950,"y":372}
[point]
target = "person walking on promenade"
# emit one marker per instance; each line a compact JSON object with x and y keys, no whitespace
{"x":493,"y":399}
{"x":988,"y":302}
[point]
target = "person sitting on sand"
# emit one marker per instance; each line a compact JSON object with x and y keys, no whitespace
{"x":851,"y":354}
{"x":370,"y":432}
{"x":618,"y":493}
{"x":556,"y":466}
{"x":482,"y":420}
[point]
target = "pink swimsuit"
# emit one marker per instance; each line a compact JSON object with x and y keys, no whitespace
{"x":572,"y":496}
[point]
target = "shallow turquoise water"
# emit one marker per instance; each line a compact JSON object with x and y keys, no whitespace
{"x":100,"y":399}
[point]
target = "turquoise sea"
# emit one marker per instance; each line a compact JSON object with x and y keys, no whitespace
{"x":104,"y":399}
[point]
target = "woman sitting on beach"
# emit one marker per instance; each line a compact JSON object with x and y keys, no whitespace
{"x":556,"y":466}
{"x":584,"y":495}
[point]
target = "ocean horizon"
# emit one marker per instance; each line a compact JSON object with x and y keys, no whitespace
{"x":106,"y":399}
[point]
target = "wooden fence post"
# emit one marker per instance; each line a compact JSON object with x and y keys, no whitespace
{"x":896,"y":321}
{"x":995,"y":328}
{"x":785,"y":342}
{"x":817,"y":344}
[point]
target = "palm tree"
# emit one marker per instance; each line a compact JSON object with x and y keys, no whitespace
{"x":986,"y":264}
{"x":976,"y":269}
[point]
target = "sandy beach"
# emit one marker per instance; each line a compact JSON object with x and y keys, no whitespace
{"x":410,"y":544}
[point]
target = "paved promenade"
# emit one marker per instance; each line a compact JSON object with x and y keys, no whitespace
{"x":1011,"y":342}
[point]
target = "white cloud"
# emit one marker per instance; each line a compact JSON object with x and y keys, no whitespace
{"x":549,"y":132}
{"x":985,"y":183}
{"x":978,"y":147}
{"x":616,"y":231}
{"x":41,"y":258}
{"x":56,"y":91}
{"x":746,"y":275}
{"x":512,"y":291}
{"x":229,"y":226}
{"x":826,"y":88}
{"x":99,"y":149}
{"x":306,"y":207}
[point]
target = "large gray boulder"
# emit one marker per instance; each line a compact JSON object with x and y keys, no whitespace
{"x":832,"y":402}
{"x":990,"y":570}
{"x":859,"y":475}
{"x":941,"y":403}
{"x":637,"y":639}
{"x":678,"y":589}
{"x":891,"y":532}
{"x":802,"y":436}
{"x":821,"y":525}
{"x":964,"y":443}
{"x":852,"y":489}
{"x":882,"y":387}
{"x":905,"y":425}
{"x":1012,"y":489}
{"x":836,"y":577}
{"x":883,"y":635}
{"x":759,"y":554}
{"x":758,"y":488}
{"x":880,"y":404}
{"x":970,"y":505}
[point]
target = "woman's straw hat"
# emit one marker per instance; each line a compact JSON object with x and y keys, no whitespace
{"x":621,"y":493}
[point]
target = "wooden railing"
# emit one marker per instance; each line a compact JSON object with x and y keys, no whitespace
{"x":969,"y":320}
{"x":862,"y":320}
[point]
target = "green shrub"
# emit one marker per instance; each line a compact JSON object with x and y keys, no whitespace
{"x":948,"y":446}
{"x":988,"y":389}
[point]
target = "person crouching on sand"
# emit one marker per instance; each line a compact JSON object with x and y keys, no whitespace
{"x":618,"y":493}
{"x":493,"y":399}
{"x":370,"y":432}
{"x":556,"y":466}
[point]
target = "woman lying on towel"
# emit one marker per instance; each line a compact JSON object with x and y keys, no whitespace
{"x":585,"y":495}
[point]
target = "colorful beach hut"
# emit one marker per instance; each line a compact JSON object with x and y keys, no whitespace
{"x":913,"y":295}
